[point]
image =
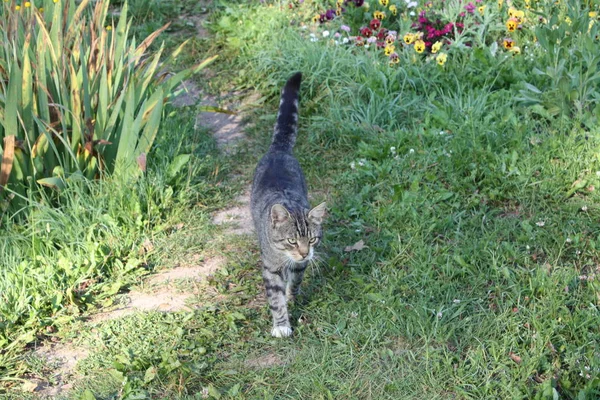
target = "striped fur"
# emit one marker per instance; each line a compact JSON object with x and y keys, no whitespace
{"x":288,"y":230}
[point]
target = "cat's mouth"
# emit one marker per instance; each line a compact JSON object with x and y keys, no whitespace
{"x":297,"y":257}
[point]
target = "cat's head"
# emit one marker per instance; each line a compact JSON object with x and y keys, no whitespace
{"x":296,"y":233}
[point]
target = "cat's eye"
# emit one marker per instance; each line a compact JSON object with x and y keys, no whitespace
{"x":313,"y":240}
{"x":292,"y":241}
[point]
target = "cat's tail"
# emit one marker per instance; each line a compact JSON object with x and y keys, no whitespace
{"x":286,"y":126}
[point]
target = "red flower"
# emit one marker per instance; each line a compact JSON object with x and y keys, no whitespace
{"x":382,"y":34}
{"x":366,"y":31}
{"x":375,"y":24}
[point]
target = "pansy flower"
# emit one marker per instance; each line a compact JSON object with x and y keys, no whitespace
{"x":384,"y":2}
{"x":375,"y":24}
{"x":390,"y":39}
{"x":419,"y":46}
{"x":316,"y":18}
{"x":366,"y":31}
{"x":394,"y":58}
{"x":409,"y":38}
{"x":394,"y":9}
{"x":379,"y":15}
{"x":481,"y":10}
{"x":512,"y":24}
{"x":389,"y":49}
{"x":441,"y":58}
{"x":382,"y":34}
{"x":508,"y":43}
{"x":359,"y":3}
{"x":330,"y":14}
{"x":515,"y":50}
{"x":436,"y":47}
{"x":360,"y":41}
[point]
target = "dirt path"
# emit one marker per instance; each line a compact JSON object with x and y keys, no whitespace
{"x":161,"y":291}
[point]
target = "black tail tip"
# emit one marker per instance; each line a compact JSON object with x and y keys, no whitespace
{"x":294,"y":81}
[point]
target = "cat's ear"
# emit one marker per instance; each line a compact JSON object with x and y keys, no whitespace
{"x":279,"y":215}
{"x":317,"y":214}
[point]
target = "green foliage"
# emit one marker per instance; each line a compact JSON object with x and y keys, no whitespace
{"x":78,"y":96}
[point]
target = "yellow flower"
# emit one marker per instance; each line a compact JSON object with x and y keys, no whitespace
{"x":512,"y":24}
{"x":500,"y":2}
{"x":379,"y":15}
{"x":17,"y":7}
{"x":339,"y":3}
{"x":441,"y":58}
{"x":520,"y":16}
{"x":316,"y":18}
{"x":409,"y":38}
{"x":338,"y":11}
{"x":511,"y":12}
{"x":515,"y":50}
{"x":108,"y":28}
{"x":384,"y":2}
{"x":389,"y":49}
{"x":394,"y":9}
{"x":591,"y":14}
{"x":419,"y":46}
{"x":508,"y":43}
{"x":41,"y":9}
{"x":394,"y":59}
{"x":27,"y":4}
{"x":568,"y":21}
{"x":436,"y":47}
{"x":481,"y":10}
{"x":389,"y":40}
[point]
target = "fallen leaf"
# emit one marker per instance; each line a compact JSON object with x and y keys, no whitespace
{"x":358,"y":246}
{"x":515,"y":357}
{"x":29,"y":386}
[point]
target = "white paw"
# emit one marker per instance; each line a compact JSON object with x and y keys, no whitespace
{"x":281,"y":331}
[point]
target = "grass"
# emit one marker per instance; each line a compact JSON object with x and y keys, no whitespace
{"x":479,"y":216}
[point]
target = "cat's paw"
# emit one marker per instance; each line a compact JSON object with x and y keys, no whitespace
{"x":281,"y":331}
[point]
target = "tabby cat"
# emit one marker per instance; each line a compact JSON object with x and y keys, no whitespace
{"x":288,"y":230}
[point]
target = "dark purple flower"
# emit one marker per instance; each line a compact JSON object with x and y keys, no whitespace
{"x":359,"y":3}
{"x":322,"y":18}
{"x":330,"y":14}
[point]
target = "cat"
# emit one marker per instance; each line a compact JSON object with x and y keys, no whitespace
{"x":288,"y":230}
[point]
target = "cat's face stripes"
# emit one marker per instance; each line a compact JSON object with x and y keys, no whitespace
{"x":295,"y":234}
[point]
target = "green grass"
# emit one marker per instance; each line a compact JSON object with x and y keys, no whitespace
{"x":480,"y":226}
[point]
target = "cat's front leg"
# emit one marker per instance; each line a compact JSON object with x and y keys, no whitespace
{"x":296,"y":273}
{"x":275,"y":287}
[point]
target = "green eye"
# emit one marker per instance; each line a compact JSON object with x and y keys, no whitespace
{"x":292,"y":241}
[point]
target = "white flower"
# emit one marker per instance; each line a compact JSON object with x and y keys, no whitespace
{"x":372,"y":39}
{"x":325,"y":33}
{"x":411,"y":151}
{"x":569,"y":240}
{"x":412,"y":13}
{"x":584,"y":208}
{"x":597,"y":173}
{"x":540,"y":223}
{"x":345,"y":40}
{"x":442,"y":132}
{"x":411,"y":4}
{"x":362,"y":162}
{"x":439,"y":314}
{"x":527,"y":247}
{"x":336,"y":42}
{"x":353,"y":165}
{"x":456,"y":301}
